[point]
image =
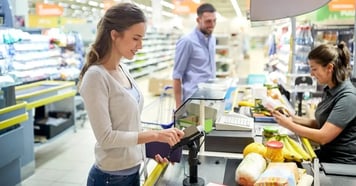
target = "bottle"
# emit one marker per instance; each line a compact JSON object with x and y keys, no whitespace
{"x":267,"y":133}
{"x":248,"y":95}
{"x":274,"y":151}
{"x":240,"y":95}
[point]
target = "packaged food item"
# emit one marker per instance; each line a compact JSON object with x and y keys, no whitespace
{"x":305,"y":180}
{"x":274,"y":151}
{"x":279,"y":174}
{"x":250,"y":169}
{"x":268,"y":132}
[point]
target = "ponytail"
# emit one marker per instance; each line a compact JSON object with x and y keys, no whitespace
{"x":342,"y":64}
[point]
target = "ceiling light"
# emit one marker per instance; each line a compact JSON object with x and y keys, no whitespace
{"x":236,"y":8}
{"x":74,"y":6}
{"x":80,"y":1}
{"x":167,"y":4}
{"x":93,"y":3}
{"x":168,"y":14}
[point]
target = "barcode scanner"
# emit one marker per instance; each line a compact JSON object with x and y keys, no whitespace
{"x":191,"y":139}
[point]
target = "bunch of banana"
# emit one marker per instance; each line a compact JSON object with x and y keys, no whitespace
{"x":308,"y":147}
{"x":295,"y":149}
{"x":245,"y":104}
{"x":292,"y":150}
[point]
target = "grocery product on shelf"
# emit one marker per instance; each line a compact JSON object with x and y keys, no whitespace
{"x":157,"y":53}
{"x":303,"y":44}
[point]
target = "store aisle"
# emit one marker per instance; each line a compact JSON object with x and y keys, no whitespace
{"x":254,"y":65}
{"x":66,"y":159}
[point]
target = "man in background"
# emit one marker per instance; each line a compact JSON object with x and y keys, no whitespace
{"x":195,"y":56}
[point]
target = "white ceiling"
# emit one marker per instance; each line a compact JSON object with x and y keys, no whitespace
{"x":82,"y":8}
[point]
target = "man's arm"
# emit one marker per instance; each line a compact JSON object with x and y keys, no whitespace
{"x":177,"y":87}
{"x":181,"y":60}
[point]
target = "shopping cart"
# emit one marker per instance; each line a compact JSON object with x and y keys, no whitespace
{"x":159,"y":114}
{"x":161,"y":111}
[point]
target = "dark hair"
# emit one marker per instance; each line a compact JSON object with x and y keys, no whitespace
{"x":119,"y":17}
{"x":338,"y":55}
{"x":205,"y":7}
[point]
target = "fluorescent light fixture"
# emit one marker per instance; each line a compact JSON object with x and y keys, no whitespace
{"x":236,"y":8}
{"x":148,"y":10}
{"x":168,"y":14}
{"x":93,"y":3}
{"x":167,"y":4}
{"x":80,"y":1}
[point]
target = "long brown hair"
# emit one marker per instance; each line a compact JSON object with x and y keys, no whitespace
{"x":338,"y":55}
{"x":119,"y":17}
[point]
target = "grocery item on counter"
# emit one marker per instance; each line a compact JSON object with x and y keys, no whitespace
{"x":292,"y":150}
{"x":268,"y":132}
{"x":295,"y":148}
{"x":274,"y":151}
{"x":255,"y":147}
{"x":308,"y":147}
{"x":284,"y":174}
{"x":305,"y":180}
{"x":250,"y":169}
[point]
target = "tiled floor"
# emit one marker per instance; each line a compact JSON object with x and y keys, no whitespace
{"x":66,"y":159}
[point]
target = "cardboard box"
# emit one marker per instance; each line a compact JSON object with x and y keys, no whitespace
{"x":156,"y":85}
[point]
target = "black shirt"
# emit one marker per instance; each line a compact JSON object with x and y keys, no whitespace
{"x":338,"y":106}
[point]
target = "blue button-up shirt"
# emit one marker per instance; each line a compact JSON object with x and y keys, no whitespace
{"x":194,"y":61}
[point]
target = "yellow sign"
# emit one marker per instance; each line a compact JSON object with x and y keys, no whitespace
{"x":36,"y":21}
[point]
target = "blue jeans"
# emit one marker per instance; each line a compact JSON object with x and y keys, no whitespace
{"x":98,"y":178}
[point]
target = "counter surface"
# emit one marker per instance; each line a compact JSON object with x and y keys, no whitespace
{"x":219,"y":170}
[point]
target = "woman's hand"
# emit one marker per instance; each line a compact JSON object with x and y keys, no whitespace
{"x":159,"y":159}
{"x":170,"y":136}
{"x":282,"y":119}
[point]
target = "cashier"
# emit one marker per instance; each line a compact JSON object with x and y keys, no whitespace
{"x":334,"y":126}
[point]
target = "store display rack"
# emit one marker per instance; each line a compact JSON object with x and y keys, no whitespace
{"x":303,"y":45}
{"x":223,"y":55}
{"x":157,"y":53}
{"x":334,"y":34}
{"x":34,"y":60}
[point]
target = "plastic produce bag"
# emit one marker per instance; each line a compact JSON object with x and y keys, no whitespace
{"x":250,"y":169}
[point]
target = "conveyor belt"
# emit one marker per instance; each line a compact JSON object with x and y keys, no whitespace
{"x":34,"y":89}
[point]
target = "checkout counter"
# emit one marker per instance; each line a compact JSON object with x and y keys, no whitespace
{"x":18,"y":124}
{"x":220,"y":168}
{"x":12,"y":143}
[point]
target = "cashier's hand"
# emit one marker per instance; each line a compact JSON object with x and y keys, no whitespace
{"x":170,"y":136}
{"x":282,"y":119}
